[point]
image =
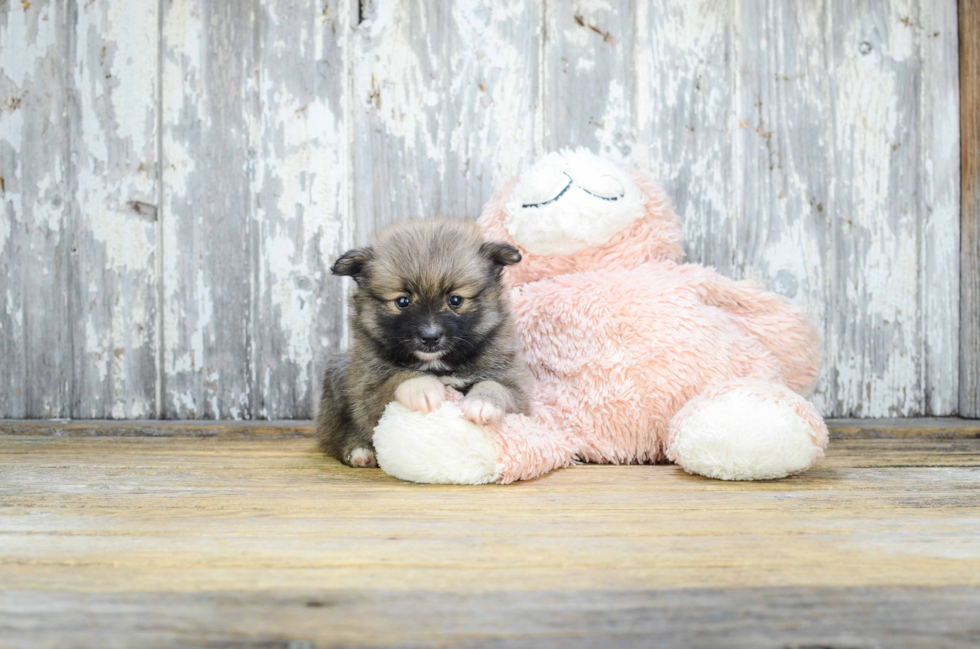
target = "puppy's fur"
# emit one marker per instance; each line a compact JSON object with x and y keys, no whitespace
{"x":429,"y":311}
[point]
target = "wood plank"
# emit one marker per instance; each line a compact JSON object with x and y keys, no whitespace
{"x":917,"y":428}
{"x":938,"y":206}
{"x":302,"y":217}
{"x":776,"y":230}
{"x":848,"y":453}
{"x":114,"y":154}
{"x":588,"y":77}
{"x":788,"y":617}
{"x":969,"y":56}
{"x":441,"y":105}
{"x":36,"y":197}
{"x":683,"y":94}
{"x":875,"y":285}
{"x":208,"y":249}
{"x":924,"y":427}
{"x":156,"y":428}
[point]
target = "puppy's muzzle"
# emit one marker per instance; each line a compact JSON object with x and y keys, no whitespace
{"x":430,"y":337}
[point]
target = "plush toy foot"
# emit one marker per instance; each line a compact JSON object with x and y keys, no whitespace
{"x":747,"y":429}
{"x":440,"y":447}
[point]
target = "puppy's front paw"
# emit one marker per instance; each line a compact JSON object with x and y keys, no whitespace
{"x":422,"y":394}
{"x":362,"y":458}
{"x":481,"y":412}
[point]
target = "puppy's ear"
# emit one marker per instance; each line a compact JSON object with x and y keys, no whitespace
{"x":502,"y":254}
{"x":352,"y":263}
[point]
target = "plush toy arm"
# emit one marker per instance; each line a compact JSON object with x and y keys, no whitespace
{"x":442,"y":447}
{"x":530,"y":446}
{"x":768,"y":317}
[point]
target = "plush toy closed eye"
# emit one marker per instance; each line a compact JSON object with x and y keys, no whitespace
{"x":637,"y":357}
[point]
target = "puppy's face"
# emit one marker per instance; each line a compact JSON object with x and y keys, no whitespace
{"x":429,"y":292}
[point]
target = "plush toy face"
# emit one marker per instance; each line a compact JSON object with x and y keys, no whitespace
{"x":570,"y":201}
{"x":574,"y":211}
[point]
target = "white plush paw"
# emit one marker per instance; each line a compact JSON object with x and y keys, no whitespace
{"x":744,"y":436}
{"x":422,"y":394}
{"x":481,"y":412}
{"x":441,"y":447}
{"x":362,"y":458}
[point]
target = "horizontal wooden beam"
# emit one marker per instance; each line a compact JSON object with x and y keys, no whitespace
{"x":157,"y":428}
{"x":919,"y":427}
{"x":923,"y":427}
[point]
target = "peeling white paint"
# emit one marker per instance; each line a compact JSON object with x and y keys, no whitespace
{"x":940,"y":205}
{"x":129,"y":241}
{"x":879,"y":240}
{"x":498,"y":126}
{"x":783,"y":131}
{"x":409,"y":85}
{"x":115,"y":140}
{"x":95,"y":350}
{"x":5,"y":229}
{"x":30,"y":37}
{"x":35,"y":370}
{"x":902,"y":28}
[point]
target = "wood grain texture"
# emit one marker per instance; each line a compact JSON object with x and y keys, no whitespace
{"x":938,"y":206}
{"x":969,"y":69}
{"x":915,"y":427}
{"x":683,"y":96}
{"x":748,"y":617}
{"x":588,"y":77}
{"x":114,"y":160}
{"x":160,"y":428}
{"x":204,"y":541}
{"x":811,"y":146}
{"x":918,"y":428}
{"x":208,"y":249}
{"x":302,"y":218}
{"x":36,"y":245}
{"x":778,"y":229}
{"x":442,"y":106}
{"x":877,"y":228}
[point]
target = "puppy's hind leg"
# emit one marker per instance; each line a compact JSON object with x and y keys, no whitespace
{"x":338,"y":433}
{"x":354,"y":448}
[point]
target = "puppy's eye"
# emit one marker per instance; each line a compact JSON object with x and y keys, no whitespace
{"x":402,"y":301}
{"x":455,"y":301}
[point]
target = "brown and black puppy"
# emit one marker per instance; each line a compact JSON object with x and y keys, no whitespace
{"x":429,"y":311}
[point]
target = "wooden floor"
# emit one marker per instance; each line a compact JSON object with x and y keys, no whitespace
{"x":245,"y":536}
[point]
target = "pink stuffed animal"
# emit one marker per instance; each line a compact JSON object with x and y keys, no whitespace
{"x":638,"y":358}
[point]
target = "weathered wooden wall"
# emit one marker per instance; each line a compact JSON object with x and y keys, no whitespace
{"x":175,"y":175}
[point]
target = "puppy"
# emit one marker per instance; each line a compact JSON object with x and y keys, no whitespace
{"x":429,"y":311}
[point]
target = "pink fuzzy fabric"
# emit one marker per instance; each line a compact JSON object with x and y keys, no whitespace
{"x":622,"y":337}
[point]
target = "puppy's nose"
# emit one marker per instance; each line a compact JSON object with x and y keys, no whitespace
{"x":430,"y":336}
